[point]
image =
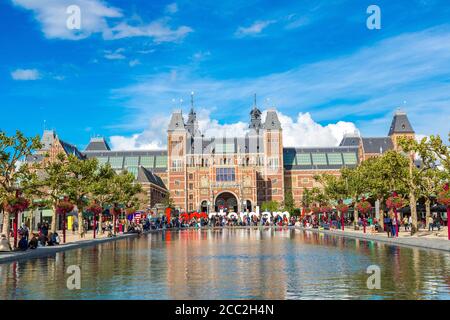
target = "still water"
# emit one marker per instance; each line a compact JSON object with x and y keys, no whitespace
{"x":232,"y":264}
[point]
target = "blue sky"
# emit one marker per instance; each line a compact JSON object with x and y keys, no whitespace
{"x":133,"y":62}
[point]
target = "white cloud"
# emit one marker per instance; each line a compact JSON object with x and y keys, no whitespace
{"x":256,"y":28}
{"x":114,"y":55}
{"x":25,"y":74}
{"x":366,"y":85}
{"x":172,"y":8}
{"x":96,"y":17}
{"x":134,"y":62}
{"x":305,"y":132}
{"x":300,"y":132}
{"x":159,"y":30}
{"x":52,"y":16}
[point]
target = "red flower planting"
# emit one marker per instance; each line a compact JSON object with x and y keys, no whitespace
{"x":325,"y":209}
{"x":395,"y":202}
{"x":364,"y":206}
{"x":95,"y":209}
{"x":64,"y":207}
{"x":18,"y":204}
{"x":342,"y":208}
{"x":444,"y":196}
{"x":315,"y":209}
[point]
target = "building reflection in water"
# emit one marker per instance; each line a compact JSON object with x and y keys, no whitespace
{"x":255,"y":263}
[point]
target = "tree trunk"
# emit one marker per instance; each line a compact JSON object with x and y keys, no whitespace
{"x":100,"y":223}
{"x":355,"y":215}
{"x":428,"y":211}
{"x":54,"y":217}
{"x":6,"y":226}
{"x":412,"y":196}
{"x":80,"y":223}
{"x":381,"y":222}
{"x":412,"y":205}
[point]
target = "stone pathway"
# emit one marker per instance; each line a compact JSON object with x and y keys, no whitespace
{"x":72,"y":242}
{"x":423,"y":239}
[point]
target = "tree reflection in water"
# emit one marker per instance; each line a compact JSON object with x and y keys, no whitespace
{"x":259,"y":263}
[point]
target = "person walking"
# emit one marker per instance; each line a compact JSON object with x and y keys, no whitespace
{"x":394,"y":226}
{"x":405,"y":223}
{"x":388,"y":225}
{"x":430,"y":223}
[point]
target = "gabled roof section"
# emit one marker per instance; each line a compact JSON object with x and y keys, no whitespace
{"x":48,"y":138}
{"x":350,"y":140}
{"x":400,"y":124}
{"x":147,"y":176}
{"x":272,"y":121}
{"x":176,"y":121}
{"x":377,"y":145}
{"x":98,"y":144}
{"x":70,"y":149}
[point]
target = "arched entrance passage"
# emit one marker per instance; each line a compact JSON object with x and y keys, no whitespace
{"x":204,"y":206}
{"x":248,"y":205}
{"x":226,"y":201}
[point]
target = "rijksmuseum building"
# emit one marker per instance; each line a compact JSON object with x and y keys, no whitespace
{"x":233,"y":173}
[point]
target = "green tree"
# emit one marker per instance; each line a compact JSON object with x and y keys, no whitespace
{"x":81,"y":178}
{"x":354,"y":187}
{"x":52,"y":182}
{"x":102,"y":191}
{"x":289,"y":203}
{"x":270,"y":206}
{"x":168,"y":202}
{"x":429,"y":150}
{"x":14,"y":174}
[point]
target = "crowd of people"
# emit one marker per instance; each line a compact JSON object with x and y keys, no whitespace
{"x":44,"y":237}
{"x":31,"y":241}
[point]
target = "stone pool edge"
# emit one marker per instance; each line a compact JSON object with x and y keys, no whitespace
{"x":14,"y":256}
{"x":434,"y":244}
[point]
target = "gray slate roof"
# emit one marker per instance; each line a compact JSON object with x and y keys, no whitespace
{"x":350,"y":141}
{"x":98,"y":144}
{"x":145,"y":176}
{"x":377,"y":145}
{"x":272,"y":122}
{"x":176,"y":121}
{"x":400,"y":124}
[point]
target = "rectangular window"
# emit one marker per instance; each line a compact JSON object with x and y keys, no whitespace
{"x":177,"y":165}
{"x":334,"y":158}
{"x":147,"y":161}
{"x":131,"y":161}
{"x":319,"y":159}
{"x":350,"y":158}
{"x":225,"y":174}
{"x":273,"y":163}
{"x":161,"y":162}
{"x":303,"y":159}
{"x":116,"y":162}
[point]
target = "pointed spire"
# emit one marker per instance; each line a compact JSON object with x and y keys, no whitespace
{"x":255,"y":116}
{"x":192,"y":101}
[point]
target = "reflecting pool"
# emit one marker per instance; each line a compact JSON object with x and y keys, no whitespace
{"x":232,"y":264}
